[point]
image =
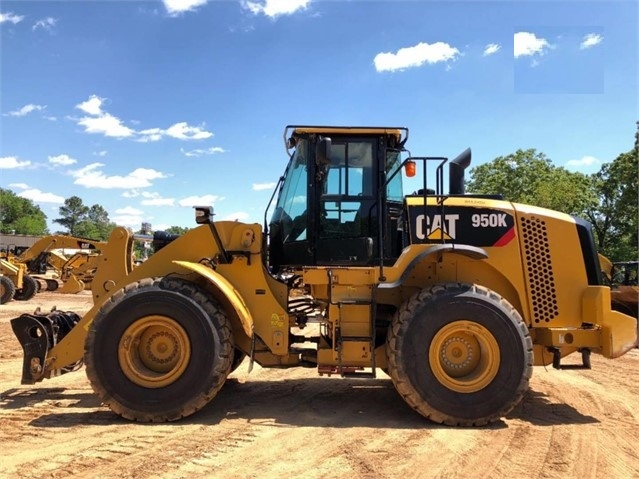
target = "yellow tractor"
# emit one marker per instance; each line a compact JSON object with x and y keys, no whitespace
{"x":15,"y":283}
{"x":75,"y":271}
{"x":456,"y":296}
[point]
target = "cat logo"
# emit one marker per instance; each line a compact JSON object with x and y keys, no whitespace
{"x":431,"y":227}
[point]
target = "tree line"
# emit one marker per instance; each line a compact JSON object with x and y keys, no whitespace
{"x":609,"y":199}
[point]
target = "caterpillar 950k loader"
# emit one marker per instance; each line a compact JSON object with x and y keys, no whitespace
{"x":456,"y":296}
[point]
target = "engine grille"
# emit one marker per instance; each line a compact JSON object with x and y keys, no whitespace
{"x":538,"y":264}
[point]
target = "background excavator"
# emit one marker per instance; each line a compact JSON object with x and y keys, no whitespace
{"x":455,"y":296}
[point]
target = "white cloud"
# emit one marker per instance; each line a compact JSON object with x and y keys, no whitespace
{"x":584,"y":161}
{"x":263,"y":186}
{"x":92,"y":106}
{"x":155,"y":199}
{"x":45,"y":23}
{"x":129,"y":210}
{"x":127,"y":220}
{"x":25,"y":110}
{"x":199,"y":152}
{"x":591,"y":40}
{"x":107,"y":125}
{"x":182,"y":131}
{"x":41,"y":197}
{"x":158,"y":202}
{"x":491,"y":49}
{"x":175,"y":7}
{"x":12,"y":162}
{"x":151,"y":134}
{"x":239,"y":216}
{"x":275,"y":8}
{"x":62,"y":160}
{"x":527,"y":44}
{"x":92,"y":177}
{"x":100,"y":153}
{"x":131,"y":194}
{"x":22,"y":186}
{"x":206,"y":200}
{"x":415,"y":56}
{"x":10,"y":17}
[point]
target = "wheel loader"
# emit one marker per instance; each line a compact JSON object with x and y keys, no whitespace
{"x":455,"y":296}
{"x":15,"y":283}
{"x":75,"y":272}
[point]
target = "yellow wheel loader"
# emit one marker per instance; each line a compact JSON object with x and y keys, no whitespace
{"x":75,"y":272}
{"x":457,"y":296}
{"x":23,"y":288}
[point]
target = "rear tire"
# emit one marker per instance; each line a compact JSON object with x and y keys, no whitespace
{"x":459,"y":354}
{"x":7,"y":289}
{"x":158,"y":350}
{"x":28,"y":290}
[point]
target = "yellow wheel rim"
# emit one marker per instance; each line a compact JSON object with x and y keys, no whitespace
{"x":154,"y":351}
{"x":464,"y":356}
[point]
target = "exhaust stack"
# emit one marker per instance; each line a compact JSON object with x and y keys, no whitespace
{"x":456,"y":173}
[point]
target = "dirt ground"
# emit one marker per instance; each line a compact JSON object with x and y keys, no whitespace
{"x":293,"y":423}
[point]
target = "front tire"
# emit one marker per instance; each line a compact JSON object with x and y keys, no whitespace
{"x":158,"y":350}
{"x":459,"y":354}
{"x":7,"y":289}
{"x":28,"y":290}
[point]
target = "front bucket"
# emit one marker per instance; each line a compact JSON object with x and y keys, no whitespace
{"x":37,"y":333}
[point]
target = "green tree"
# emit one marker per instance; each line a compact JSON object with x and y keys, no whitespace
{"x":72,"y":213}
{"x":529,"y":177}
{"x":20,"y":215}
{"x":177,"y":230}
{"x":85,"y":222}
{"x":96,"y":224}
{"x":615,"y":216}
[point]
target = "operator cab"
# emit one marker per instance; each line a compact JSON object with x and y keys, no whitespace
{"x":334,"y":186}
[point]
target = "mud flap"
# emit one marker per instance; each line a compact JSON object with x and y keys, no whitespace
{"x":37,"y":334}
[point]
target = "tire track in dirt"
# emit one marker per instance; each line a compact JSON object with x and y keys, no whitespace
{"x":291,"y":423}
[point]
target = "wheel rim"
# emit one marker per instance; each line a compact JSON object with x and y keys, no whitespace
{"x":154,"y":351}
{"x":464,"y":356}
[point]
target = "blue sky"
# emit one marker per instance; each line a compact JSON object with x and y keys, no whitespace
{"x":150,"y":107}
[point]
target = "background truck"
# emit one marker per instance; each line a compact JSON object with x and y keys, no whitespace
{"x":456,"y":296}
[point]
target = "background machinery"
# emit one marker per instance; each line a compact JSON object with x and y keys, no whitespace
{"x":622,"y":277}
{"x":15,"y":283}
{"x":74,"y":271}
{"x":456,"y":296}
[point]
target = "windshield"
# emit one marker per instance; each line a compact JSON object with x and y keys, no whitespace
{"x":291,"y":202}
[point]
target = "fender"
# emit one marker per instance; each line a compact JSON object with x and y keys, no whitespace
{"x":473,"y":252}
{"x":225,"y":288}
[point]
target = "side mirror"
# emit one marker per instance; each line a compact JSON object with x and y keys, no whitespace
{"x":203,"y":215}
{"x":323,"y":152}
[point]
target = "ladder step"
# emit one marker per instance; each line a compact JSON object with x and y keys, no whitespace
{"x":360,"y":339}
{"x":350,"y":302}
{"x":359,"y":375}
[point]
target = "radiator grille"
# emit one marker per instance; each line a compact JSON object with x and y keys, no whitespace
{"x":539,"y":269}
